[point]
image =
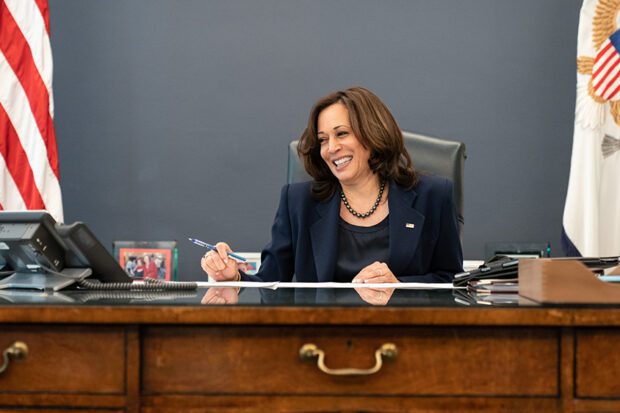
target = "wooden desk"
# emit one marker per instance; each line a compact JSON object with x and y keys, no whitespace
{"x":176,"y":355}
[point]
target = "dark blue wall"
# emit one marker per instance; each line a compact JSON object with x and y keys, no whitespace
{"x":173,"y":117}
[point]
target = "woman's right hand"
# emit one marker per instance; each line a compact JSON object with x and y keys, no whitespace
{"x":216,"y":295}
{"x":219,"y":266}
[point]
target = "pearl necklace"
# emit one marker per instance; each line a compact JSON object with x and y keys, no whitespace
{"x":371,"y":211}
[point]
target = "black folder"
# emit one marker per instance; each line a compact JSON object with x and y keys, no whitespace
{"x":502,"y":267}
{"x":498,"y":267}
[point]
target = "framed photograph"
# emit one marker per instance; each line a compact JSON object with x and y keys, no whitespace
{"x":148,"y":259}
{"x":253,"y":262}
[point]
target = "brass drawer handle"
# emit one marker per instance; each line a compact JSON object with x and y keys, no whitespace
{"x":17,"y":351}
{"x":309,"y":351}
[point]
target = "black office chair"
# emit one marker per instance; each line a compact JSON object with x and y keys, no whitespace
{"x":429,"y":155}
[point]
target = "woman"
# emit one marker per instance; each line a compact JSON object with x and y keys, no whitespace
{"x":366,"y":216}
{"x":150,"y":269}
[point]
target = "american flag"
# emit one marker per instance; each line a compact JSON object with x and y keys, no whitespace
{"x":591,"y":221}
{"x":29,"y":177}
{"x":606,"y":71}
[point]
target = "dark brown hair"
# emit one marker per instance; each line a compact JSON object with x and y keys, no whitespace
{"x":377,"y":131}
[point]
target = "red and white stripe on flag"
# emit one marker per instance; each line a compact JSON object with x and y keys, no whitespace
{"x":29,"y":177}
{"x":606,"y":71}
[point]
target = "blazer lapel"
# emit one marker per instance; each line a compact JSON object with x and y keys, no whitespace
{"x":324,"y":237}
{"x":406,"y":225}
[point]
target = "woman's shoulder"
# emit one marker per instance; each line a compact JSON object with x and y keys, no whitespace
{"x":433,"y":184}
{"x":298,"y":191}
{"x":300,"y":186}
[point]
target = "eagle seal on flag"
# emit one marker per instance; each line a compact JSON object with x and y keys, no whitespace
{"x":591,"y":221}
{"x":601,"y":68}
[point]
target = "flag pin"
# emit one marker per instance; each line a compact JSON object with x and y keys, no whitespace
{"x":409,"y":225}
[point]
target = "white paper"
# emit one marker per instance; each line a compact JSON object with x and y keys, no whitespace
{"x":276,"y":284}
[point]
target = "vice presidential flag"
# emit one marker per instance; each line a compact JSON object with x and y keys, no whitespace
{"x":592,"y":213}
{"x":29,"y":177}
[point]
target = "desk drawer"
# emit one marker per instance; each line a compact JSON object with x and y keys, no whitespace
{"x":597,"y":363}
{"x":431,"y":361}
{"x":65,"y":359}
{"x":46,"y":410}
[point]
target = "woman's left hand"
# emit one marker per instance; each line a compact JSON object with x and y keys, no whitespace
{"x":375,"y":296}
{"x":375,"y":273}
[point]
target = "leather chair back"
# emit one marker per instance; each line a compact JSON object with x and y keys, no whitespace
{"x":429,"y":155}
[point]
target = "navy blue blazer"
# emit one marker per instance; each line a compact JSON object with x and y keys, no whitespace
{"x":424,"y":238}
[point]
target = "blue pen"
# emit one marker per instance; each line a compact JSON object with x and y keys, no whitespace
{"x":212,"y":248}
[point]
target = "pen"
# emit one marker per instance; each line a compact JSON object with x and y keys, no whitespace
{"x":212,"y":248}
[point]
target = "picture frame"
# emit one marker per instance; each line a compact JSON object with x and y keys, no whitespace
{"x":252,"y":264}
{"x":148,"y":259}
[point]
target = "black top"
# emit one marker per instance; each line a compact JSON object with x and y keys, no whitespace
{"x":359,"y":247}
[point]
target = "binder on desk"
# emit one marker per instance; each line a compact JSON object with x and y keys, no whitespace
{"x":494,"y":286}
{"x":468,"y":298}
{"x":499,"y":267}
{"x":504,"y":267}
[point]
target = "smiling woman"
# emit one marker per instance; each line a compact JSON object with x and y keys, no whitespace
{"x":366,"y":216}
{"x":363,"y":114}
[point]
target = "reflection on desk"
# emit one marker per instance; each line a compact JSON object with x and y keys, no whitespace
{"x":229,"y":296}
{"x":373,"y":296}
{"x":352,"y":297}
{"x":217,"y":296}
{"x":20,"y":296}
{"x":328,"y":296}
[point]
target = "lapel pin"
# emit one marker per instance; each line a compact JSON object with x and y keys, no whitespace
{"x":409,"y":225}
